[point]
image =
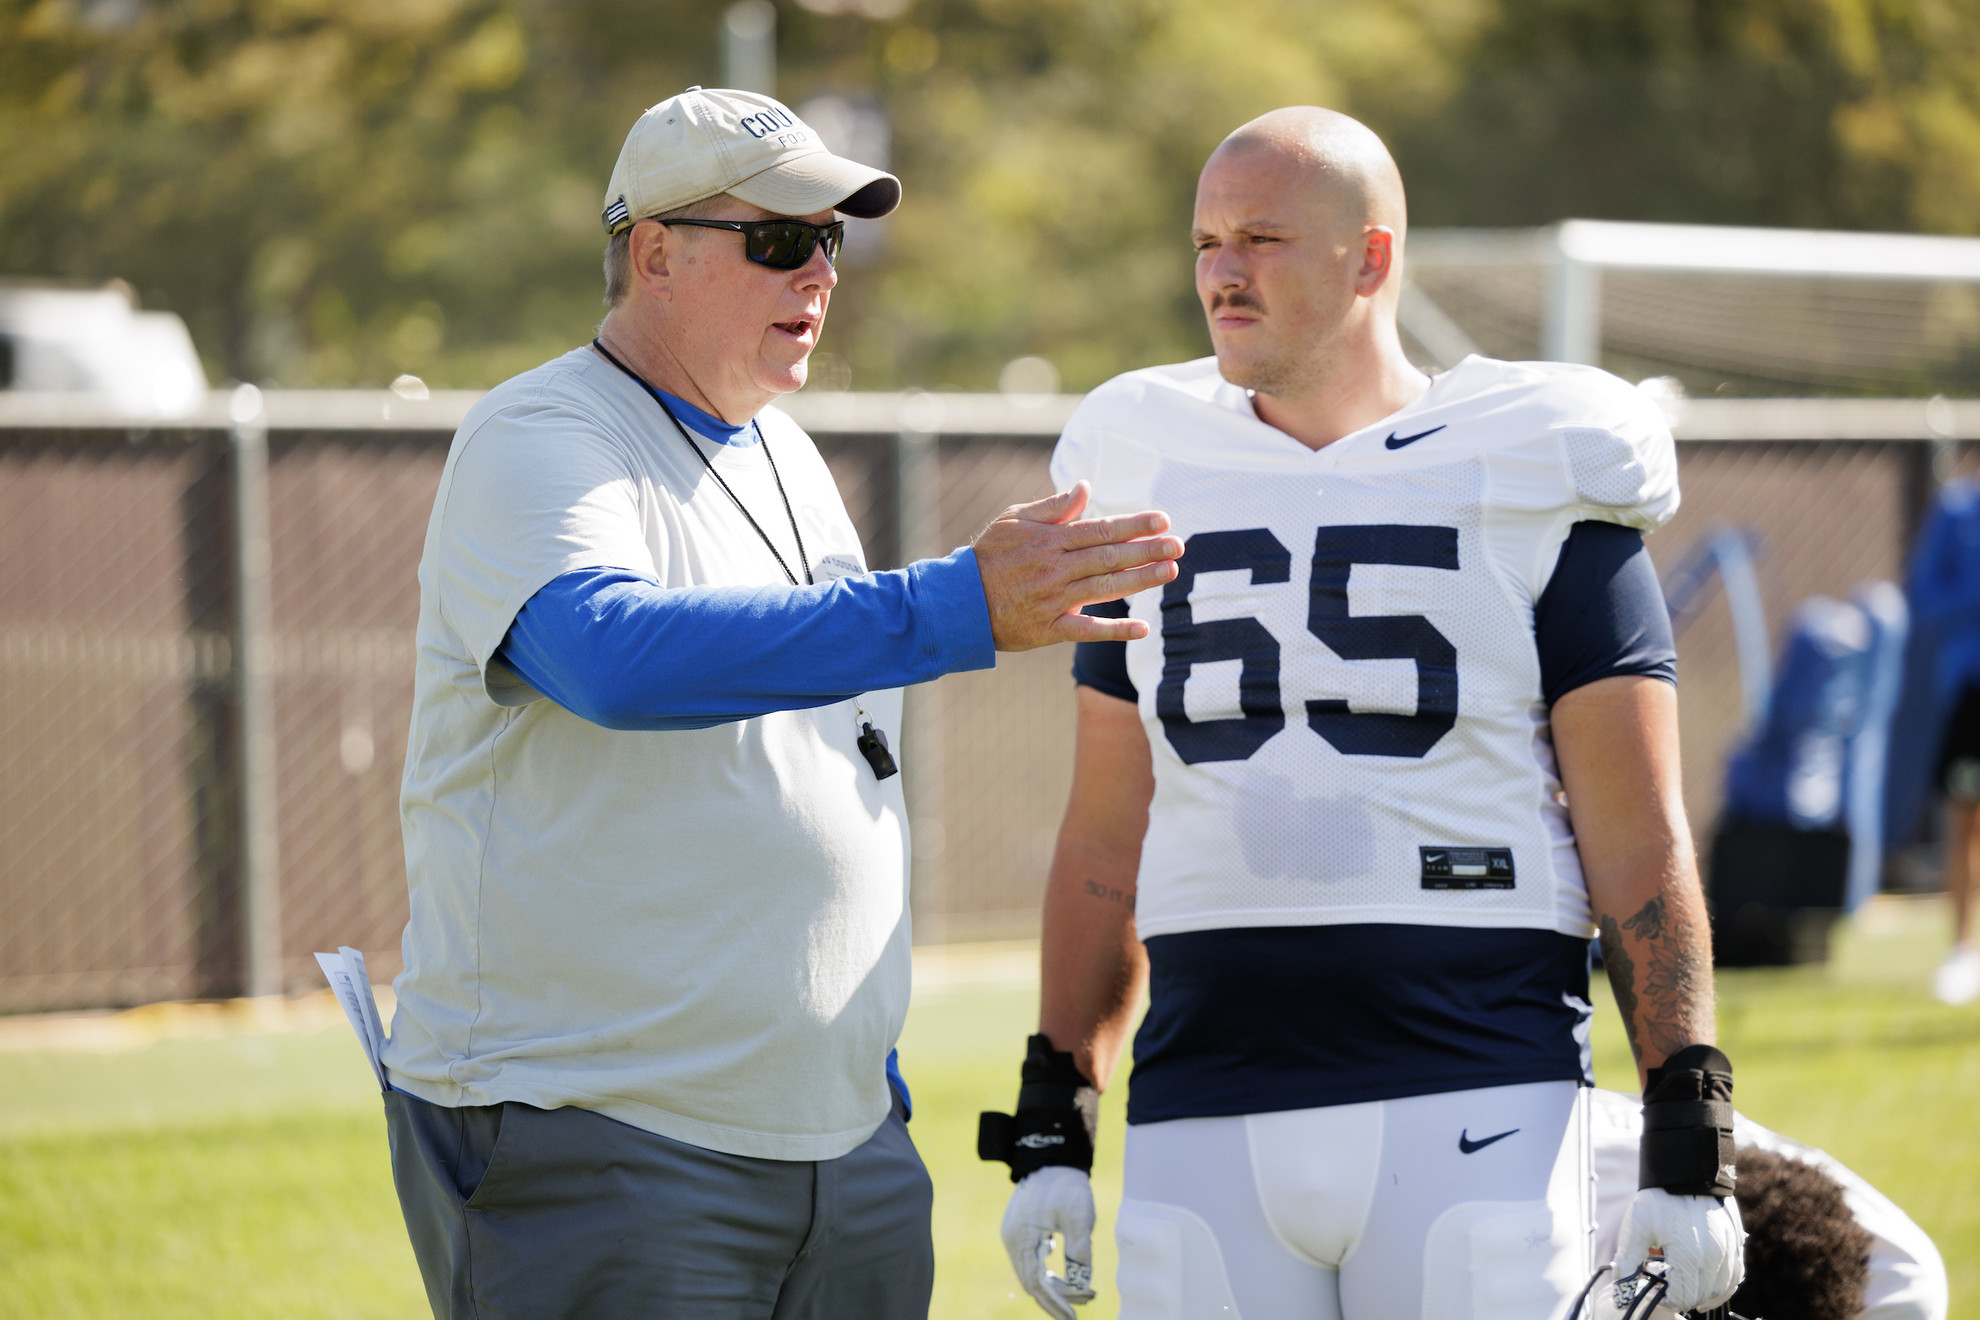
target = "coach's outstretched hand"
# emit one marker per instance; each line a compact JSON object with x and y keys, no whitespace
{"x":1052,"y":1200}
{"x":1040,"y":563}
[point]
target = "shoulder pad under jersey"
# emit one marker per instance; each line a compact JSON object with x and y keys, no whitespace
{"x":1562,"y":437}
{"x":1148,"y":410}
{"x":1613,"y":442}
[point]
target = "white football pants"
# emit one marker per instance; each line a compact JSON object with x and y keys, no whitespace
{"x":1468,"y":1205}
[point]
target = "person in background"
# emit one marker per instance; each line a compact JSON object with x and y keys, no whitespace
{"x":1944,"y":589}
{"x":1821,"y":1243}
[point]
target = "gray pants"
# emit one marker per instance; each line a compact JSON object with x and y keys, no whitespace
{"x":537,"y":1214}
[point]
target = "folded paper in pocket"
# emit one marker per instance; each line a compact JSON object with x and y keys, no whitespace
{"x":345,"y":970}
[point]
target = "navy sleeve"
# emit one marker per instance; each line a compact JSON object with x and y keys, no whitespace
{"x":626,"y":653}
{"x":1603,"y":613}
{"x":1102,"y":666}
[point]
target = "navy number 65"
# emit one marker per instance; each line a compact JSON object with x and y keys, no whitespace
{"x":1336,"y":550}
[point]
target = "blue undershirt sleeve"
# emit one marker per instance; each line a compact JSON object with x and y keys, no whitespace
{"x":899,"y":1083}
{"x":1102,"y":666}
{"x":624,"y":652}
{"x":1603,"y":613}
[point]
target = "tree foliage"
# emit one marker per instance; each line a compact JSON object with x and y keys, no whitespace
{"x":333,"y":192}
{"x":329,"y":190}
{"x":1851,"y":114}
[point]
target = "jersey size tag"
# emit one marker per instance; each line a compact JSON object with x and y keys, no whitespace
{"x":1467,"y":868}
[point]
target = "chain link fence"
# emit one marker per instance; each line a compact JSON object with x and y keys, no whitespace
{"x":123,"y":872}
{"x":114,"y":719}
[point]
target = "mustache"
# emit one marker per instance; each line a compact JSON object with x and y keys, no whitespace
{"x":1237,"y":298}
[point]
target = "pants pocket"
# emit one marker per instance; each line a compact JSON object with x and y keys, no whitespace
{"x":479,"y":1154}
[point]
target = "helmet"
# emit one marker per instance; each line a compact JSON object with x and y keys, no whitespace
{"x":1638,"y":1296}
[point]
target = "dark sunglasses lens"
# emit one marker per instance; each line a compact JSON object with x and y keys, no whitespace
{"x":834,"y":235}
{"x":781,"y":246}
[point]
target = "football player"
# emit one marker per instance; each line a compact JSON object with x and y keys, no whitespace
{"x":1401,"y":737}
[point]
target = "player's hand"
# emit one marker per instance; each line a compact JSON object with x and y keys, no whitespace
{"x":1056,"y":1199}
{"x":1703,"y":1242}
{"x":1040,"y":563}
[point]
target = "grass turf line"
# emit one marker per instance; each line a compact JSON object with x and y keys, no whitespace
{"x":248,"y":1176}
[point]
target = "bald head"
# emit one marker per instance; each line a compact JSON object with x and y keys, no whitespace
{"x":1298,"y":235}
{"x":1346,"y":170}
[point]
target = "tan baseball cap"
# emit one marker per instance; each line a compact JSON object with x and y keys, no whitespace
{"x":705,"y":142}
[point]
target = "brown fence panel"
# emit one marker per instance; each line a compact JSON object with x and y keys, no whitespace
{"x":348,"y":517}
{"x":1004,"y":737}
{"x":119,"y":875}
{"x":115,"y":833}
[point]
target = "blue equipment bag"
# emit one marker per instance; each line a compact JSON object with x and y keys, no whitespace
{"x":1780,"y":860}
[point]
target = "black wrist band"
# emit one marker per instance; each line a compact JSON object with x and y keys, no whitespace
{"x":1688,"y":1125}
{"x":1058,"y":1110}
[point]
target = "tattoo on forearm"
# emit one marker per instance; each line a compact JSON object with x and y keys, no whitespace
{"x":1666,"y":1002}
{"x":1622,"y":979}
{"x":1649,"y":922}
{"x":1111,"y":895}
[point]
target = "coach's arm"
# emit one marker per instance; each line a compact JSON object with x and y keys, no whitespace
{"x":612,"y":646}
{"x":1617,"y":743}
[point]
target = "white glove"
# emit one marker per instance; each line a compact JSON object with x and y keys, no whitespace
{"x":1056,"y":1199}
{"x":1703,"y":1241}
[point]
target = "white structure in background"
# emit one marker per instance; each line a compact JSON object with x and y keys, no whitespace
{"x":96,"y":342}
{"x":875,"y":9}
{"x":749,"y":47}
{"x":1029,"y":382}
{"x":1775,"y":311}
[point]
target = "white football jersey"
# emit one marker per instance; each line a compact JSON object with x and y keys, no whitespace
{"x":1341,"y":688}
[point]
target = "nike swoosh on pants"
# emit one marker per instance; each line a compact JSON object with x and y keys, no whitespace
{"x":1467,"y":1145}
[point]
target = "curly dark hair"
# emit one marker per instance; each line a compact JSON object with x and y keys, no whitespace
{"x":1806,"y":1256}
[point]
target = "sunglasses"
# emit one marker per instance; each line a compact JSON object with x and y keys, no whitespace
{"x":780,"y":244}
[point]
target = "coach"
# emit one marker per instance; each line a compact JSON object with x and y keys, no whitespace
{"x":658,"y":954}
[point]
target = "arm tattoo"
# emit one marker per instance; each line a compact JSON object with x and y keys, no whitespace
{"x":1622,"y":979}
{"x":1649,"y":923}
{"x":1672,"y":986}
{"x":1111,"y":895}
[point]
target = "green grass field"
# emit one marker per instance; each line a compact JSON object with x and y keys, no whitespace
{"x":246,"y":1175}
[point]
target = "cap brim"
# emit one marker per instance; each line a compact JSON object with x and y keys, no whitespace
{"x":821,"y":182}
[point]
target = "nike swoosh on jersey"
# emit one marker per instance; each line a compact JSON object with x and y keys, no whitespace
{"x":1398,"y":441}
{"x":1467,"y":1145}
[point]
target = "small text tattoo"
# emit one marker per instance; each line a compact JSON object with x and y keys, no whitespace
{"x":1111,"y":895}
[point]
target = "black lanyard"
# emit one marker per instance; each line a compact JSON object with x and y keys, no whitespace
{"x":761,"y":439}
